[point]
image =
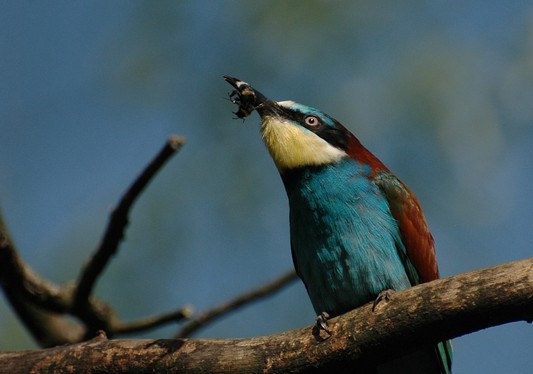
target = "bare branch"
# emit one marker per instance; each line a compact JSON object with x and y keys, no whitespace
{"x":35,"y":300}
{"x":248,"y":297}
{"x":44,"y":306}
{"x":117,"y":223}
{"x":424,"y":314}
{"x":18,"y":276}
{"x":148,"y":323}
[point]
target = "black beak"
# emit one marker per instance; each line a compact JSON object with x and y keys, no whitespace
{"x":247,"y":98}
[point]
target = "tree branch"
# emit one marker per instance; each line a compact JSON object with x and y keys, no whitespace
{"x":424,"y":314}
{"x":227,"y":307}
{"x":36,"y":301}
{"x":148,"y":323}
{"x":44,"y":306}
{"x":118,"y":222}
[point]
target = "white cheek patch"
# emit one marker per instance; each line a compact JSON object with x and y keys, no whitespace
{"x":292,"y":146}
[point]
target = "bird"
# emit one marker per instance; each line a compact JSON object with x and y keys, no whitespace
{"x":356,"y":230}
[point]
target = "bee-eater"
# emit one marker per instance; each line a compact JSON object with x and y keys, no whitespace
{"x":356,"y":230}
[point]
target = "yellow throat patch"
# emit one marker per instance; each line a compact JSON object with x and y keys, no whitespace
{"x":292,"y":146}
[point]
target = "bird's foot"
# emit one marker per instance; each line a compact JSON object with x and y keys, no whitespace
{"x":321,"y":321}
{"x":383,"y":295}
{"x":321,"y":324}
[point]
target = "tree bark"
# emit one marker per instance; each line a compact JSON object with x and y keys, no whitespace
{"x":431,"y":312}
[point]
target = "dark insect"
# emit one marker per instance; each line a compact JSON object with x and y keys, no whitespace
{"x":244,"y":96}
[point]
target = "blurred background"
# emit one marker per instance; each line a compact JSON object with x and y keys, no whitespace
{"x":441,"y":91}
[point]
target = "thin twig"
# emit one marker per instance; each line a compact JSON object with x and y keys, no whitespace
{"x":208,"y":316}
{"x":118,"y":222}
{"x":153,"y":322}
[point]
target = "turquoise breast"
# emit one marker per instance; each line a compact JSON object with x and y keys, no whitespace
{"x":345,"y":243}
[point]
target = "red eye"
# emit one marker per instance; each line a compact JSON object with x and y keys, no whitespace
{"x":311,"y":121}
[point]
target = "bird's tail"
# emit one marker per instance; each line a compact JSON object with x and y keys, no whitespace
{"x":445,"y":355}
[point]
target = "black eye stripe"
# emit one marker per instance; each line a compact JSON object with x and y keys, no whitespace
{"x":334,"y":135}
{"x":300,"y":117}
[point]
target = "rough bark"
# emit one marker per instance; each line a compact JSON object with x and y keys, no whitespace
{"x":427,"y":313}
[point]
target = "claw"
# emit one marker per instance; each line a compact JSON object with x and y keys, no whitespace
{"x":383,"y":295}
{"x":322,"y":322}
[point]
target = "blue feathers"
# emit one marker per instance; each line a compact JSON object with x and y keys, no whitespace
{"x":346,"y":244}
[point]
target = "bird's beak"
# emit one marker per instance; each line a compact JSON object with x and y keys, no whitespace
{"x":249,"y":99}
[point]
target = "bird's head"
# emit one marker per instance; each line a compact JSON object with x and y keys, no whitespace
{"x":296,"y":135}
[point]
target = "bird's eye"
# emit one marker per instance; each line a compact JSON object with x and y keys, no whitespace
{"x":311,"y":121}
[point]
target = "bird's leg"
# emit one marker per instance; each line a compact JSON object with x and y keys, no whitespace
{"x":383,"y":295}
{"x":321,"y":322}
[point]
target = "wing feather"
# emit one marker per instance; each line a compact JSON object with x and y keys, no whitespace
{"x":405,"y":208}
{"x":414,"y":231}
